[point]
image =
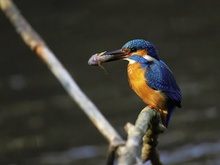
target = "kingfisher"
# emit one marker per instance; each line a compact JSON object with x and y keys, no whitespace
{"x":148,"y":76}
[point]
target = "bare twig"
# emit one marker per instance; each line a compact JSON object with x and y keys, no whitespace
{"x":150,"y":142}
{"x":35,"y":42}
{"x":147,"y":121}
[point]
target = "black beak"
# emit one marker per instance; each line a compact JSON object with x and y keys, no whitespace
{"x":103,"y":57}
{"x":114,"y":55}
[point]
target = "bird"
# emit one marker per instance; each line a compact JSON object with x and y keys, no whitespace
{"x":149,"y":77}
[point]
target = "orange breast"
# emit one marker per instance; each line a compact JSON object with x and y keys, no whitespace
{"x":138,"y":83}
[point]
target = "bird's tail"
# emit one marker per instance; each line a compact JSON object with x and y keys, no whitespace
{"x":166,"y":116}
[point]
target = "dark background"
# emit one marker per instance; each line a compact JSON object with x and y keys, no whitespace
{"x":40,"y":124}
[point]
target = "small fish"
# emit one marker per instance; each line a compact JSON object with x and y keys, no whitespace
{"x":98,"y":59}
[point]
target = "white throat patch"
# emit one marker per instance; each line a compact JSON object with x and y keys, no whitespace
{"x":130,"y":60}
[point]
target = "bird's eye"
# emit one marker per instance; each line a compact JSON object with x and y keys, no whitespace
{"x":133,"y":49}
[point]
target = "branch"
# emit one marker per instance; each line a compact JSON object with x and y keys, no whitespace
{"x":36,"y":43}
{"x":148,"y":125}
{"x":150,"y":142}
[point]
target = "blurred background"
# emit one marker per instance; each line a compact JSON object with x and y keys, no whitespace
{"x":41,"y":125}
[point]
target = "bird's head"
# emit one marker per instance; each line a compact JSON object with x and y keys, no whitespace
{"x":137,"y":47}
{"x":140,"y":47}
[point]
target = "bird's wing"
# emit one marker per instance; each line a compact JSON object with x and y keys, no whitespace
{"x":160,"y":77}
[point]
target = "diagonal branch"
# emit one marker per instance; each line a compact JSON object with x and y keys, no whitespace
{"x":35,"y":42}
